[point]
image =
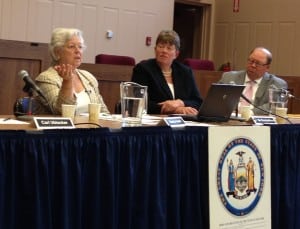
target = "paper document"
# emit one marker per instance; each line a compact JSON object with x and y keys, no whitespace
{"x":150,"y":120}
{"x":11,"y":121}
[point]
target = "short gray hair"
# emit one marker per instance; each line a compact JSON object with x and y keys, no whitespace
{"x":59,"y":37}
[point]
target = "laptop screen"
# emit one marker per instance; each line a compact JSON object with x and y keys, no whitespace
{"x":220,"y":102}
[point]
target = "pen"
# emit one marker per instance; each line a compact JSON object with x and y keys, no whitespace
{"x":6,"y":119}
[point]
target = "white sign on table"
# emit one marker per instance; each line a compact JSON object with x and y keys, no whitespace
{"x":239,"y":177}
{"x":43,"y":123}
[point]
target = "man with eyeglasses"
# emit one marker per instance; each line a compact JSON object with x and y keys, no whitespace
{"x":257,"y":80}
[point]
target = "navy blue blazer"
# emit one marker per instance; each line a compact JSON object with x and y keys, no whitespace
{"x":148,"y":73}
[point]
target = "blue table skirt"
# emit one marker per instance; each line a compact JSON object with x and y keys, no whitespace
{"x":136,"y":178}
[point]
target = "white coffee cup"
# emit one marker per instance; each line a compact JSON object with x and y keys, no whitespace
{"x":94,"y":110}
{"x":245,"y":112}
{"x":68,"y":111}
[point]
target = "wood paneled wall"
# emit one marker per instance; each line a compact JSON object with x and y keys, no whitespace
{"x":274,"y":24}
{"x":14,"y":57}
{"x":34,"y":58}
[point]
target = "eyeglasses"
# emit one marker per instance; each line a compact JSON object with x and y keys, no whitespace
{"x":73,"y":47}
{"x":257,"y":63}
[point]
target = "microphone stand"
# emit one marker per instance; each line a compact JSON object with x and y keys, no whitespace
{"x":27,"y":115}
{"x":245,"y":98}
{"x":29,"y":91}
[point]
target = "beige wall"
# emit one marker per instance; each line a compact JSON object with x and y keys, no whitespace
{"x":274,"y":24}
{"x":130,"y":20}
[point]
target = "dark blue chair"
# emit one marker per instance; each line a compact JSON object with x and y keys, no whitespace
{"x":29,"y":106}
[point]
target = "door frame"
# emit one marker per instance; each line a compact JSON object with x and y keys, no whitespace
{"x":203,"y":38}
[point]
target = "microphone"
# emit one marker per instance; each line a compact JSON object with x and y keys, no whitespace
{"x":288,"y":93}
{"x":250,"y":102}
{"x":30,"y":83}
{"x":265,"y":111}
{"x":283,"y":90}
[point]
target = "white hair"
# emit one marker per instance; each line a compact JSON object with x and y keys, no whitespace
{"x":59,"y":37}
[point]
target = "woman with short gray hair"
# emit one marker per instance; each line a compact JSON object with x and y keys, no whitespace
{"x":63,"y":82}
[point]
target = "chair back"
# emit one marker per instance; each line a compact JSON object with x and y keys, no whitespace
{"x":114,"y":59}
{"x":199,"y":64}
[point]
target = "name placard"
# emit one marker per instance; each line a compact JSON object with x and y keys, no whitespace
{"x":53,"y":123}
{"x":172,"y":122}
{"x":264,"y":120}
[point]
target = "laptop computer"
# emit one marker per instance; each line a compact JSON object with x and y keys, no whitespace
{"x":220,"y":102}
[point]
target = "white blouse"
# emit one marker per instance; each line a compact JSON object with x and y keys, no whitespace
{"x":171,"y":86}
{"x":83,"y":100}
